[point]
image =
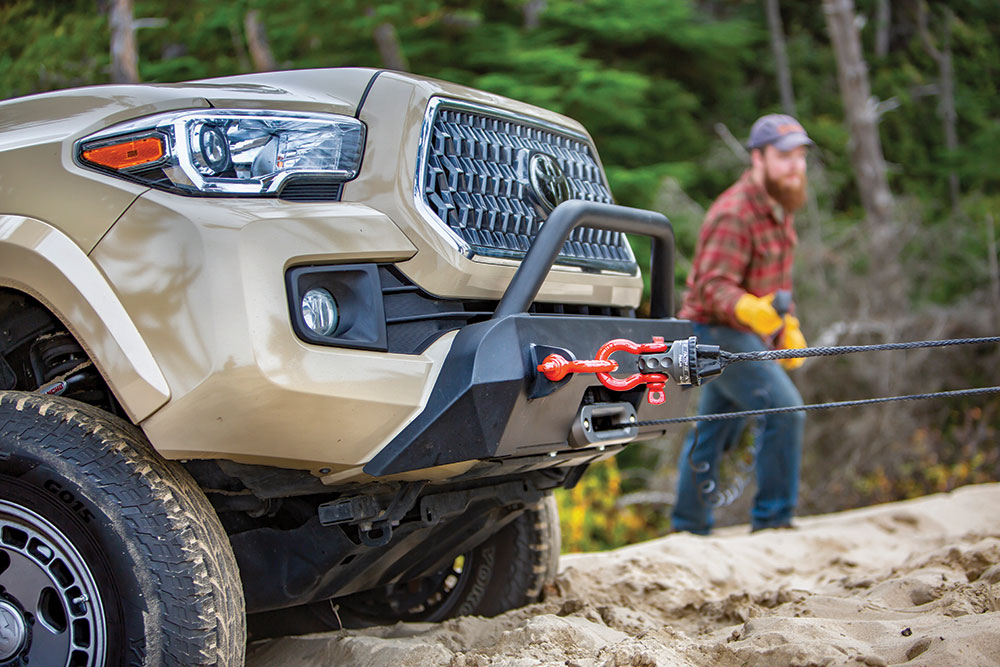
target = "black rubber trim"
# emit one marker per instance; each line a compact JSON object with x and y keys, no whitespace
{"x":364,"y":95}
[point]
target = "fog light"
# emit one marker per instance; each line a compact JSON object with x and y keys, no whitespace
{"x":320,"y":312}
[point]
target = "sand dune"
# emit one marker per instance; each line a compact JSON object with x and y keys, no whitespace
{"x":914,"y":583}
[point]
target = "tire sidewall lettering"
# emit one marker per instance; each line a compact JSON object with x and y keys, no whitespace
{"x":88,"y":528}
{"x":76,"y":505}
{"x":485,"y":563}
{"x":159,"y":556}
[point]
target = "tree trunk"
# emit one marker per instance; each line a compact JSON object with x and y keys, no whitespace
{"x":387,"y":42}
{"x":389,"y":48}
{"x":260,"y":50}
{"x":994,"y":264}
{"x":780,"y":57}
{"x":861,"y":112}
{"x":533,"y":10}
{"x":734,"y":144}
{"x":883,"y":22}
{"x":124,"y":52}
{"x":946,"y":107}
{"x":787,"y":92}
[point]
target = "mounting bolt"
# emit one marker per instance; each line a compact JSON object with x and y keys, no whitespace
{"x":586,"y":424}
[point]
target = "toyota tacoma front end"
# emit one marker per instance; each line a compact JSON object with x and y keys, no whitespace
{"x":264,"y":349}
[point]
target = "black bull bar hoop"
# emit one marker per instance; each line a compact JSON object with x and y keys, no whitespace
{"x":486,"y":402}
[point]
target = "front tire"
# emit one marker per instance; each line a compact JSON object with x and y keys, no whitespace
{"x":109,"y":555}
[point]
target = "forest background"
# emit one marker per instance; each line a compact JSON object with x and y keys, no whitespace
{"x":669,"y":89}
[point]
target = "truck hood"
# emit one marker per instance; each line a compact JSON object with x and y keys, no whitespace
{"x":80,"y":111}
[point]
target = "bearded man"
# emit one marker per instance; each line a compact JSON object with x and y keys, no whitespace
{"x":743,"y":259}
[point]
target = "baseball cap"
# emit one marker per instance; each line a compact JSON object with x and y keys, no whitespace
{"x":781,"y":131}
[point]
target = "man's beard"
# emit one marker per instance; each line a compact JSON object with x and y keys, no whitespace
{"x":791,"y":197}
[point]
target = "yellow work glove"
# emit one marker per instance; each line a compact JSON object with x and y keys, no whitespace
{"x":791,"y":338}
{"x":757,"y":313}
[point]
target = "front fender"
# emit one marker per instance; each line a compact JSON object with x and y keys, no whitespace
{"x":40,"y":260}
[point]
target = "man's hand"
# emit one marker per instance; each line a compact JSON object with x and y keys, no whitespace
{"x":791,"y":338}
{"x":757,"y":313}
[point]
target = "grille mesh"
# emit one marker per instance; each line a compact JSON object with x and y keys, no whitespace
{"x":476,"y":181}
{"x":311,"y":191}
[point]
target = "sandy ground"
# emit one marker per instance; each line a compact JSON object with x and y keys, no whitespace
{"x":916,"y":582}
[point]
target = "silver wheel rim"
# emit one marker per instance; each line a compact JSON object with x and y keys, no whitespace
{"x":46,"y":582}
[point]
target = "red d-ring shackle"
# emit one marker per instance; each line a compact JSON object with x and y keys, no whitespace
{"x":555,"y":367}
{"x":655,"y":381}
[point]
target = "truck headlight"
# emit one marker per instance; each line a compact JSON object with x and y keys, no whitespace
{"x":213,"y":149}
{"x":228,"y":152}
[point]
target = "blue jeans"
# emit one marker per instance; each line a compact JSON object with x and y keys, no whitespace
{"x":745,"y":385}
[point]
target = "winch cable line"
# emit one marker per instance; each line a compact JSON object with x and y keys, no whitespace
{"x":820,"y":406}
{"x":713,"y":494}
{"x":726,"y":358}
{"x":762,"y":355}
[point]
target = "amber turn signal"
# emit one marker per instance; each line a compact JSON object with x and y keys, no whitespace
{"x":127,"y":153}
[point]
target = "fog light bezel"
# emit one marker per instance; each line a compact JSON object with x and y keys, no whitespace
{"x":357,"y":291}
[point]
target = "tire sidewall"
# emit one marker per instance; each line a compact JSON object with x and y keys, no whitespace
{"x":508,"y":570}
{"x":482,"y":562}
{"x":525,"y":558}
{"x":67,"y":501}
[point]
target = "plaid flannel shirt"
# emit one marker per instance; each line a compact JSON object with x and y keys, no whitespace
{"x":742,"y":247}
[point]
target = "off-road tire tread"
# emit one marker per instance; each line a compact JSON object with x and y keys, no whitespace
{"x":527,"y":557}
{"x":180,"y":544}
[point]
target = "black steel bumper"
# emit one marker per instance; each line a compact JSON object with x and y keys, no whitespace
{"x":490,"y":403}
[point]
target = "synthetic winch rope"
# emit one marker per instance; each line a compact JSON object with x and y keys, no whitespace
{"x":710,"y":492}
{"x":819,"y":406}
{"x":727,"y":358}
{"x":763,"y":355}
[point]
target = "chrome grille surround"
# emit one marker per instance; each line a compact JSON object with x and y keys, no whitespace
{"x":473,"y":185}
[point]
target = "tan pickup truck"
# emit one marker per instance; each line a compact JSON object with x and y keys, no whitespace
{"x":269,"y":358}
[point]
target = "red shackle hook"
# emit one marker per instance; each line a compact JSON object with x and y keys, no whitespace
{"x":655,"y":381}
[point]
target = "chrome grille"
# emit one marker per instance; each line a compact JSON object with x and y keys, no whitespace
{"x":474,"y":179}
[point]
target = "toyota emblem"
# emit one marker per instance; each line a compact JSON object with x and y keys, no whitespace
{"x":12,"y":631}
{"x":548,"y":182}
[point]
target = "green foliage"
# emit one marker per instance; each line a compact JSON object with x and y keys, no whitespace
{"x":960,"y":452}
{"x":648,"y":78}
{"x":46,"y":47}
{"x":591,"y":518}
